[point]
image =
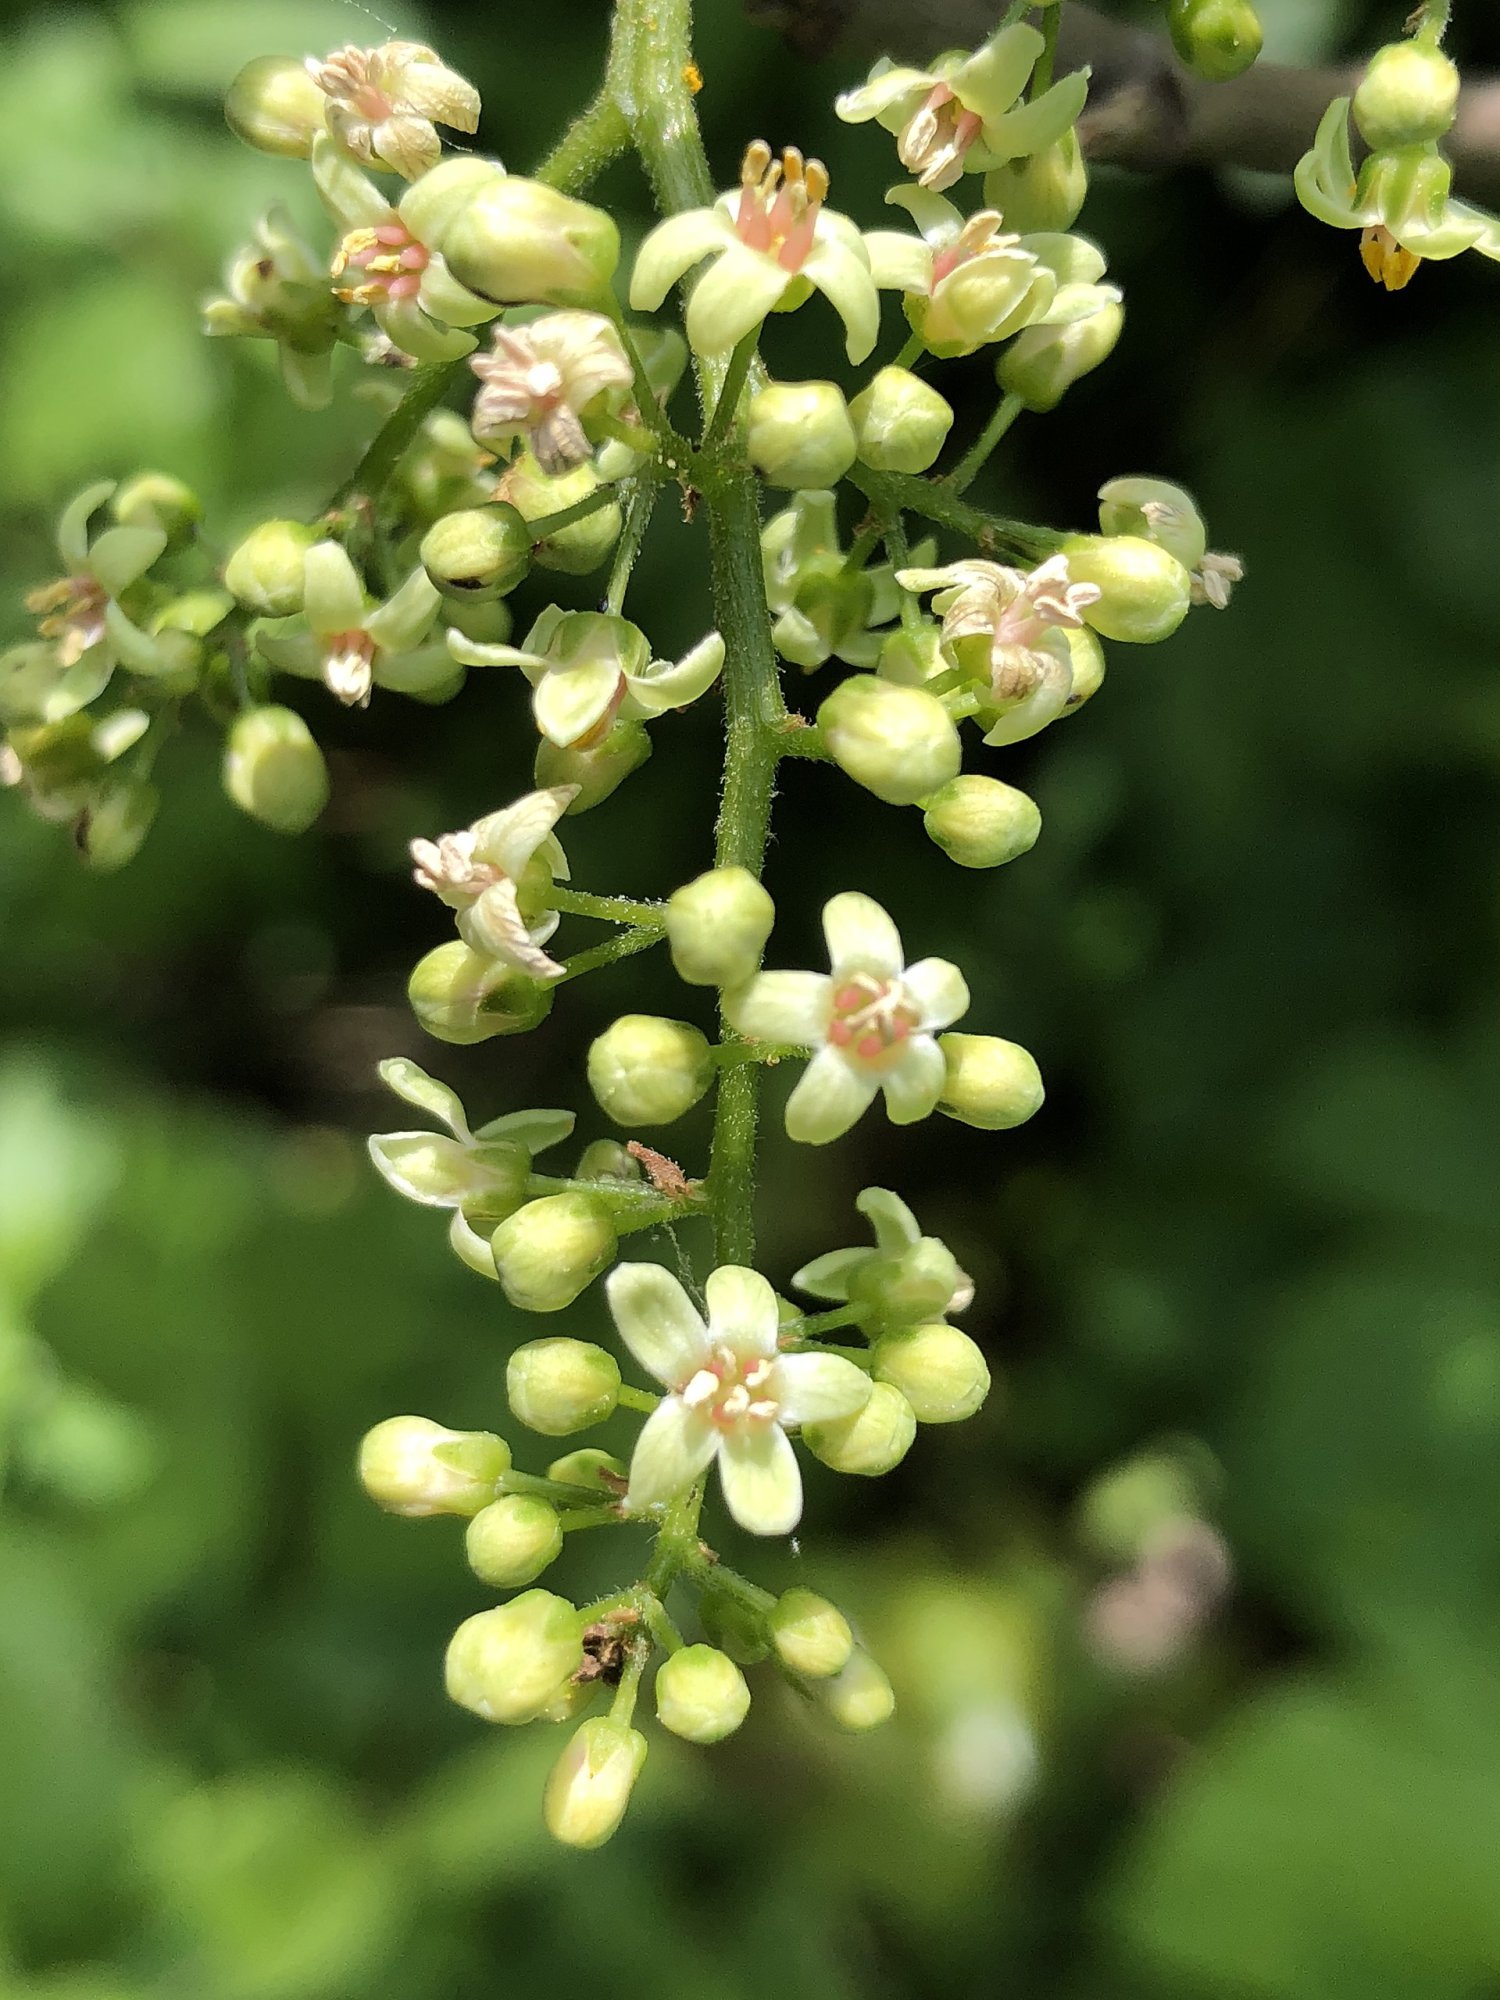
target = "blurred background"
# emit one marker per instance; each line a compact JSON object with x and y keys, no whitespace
{"x":1194,"y":1629}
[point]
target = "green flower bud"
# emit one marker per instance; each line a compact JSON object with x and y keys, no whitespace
{"x":506,"y":1664}
{"x":810,"y":1635}
{"x":550,"y":1250}
{"x":591,"y":1782}
{"x":798,"y":434}
{"x":1125,"y":1509}
{"x":980,"y":822}
{"x":1042,"y":363}
{"x":157,"y":500}
{"x":274,"y":770}
{"x":903,"y":1287}
{"x":583,"y":545}
{"x":733,"y":1627}
{"x":990,"y":1083}
{"x":519,"y":243}
{"x":1088,"y":668}
{"x":410,"y":1465}
{"x":598,"y":770}
{"x":861,"y":1697}
{"x":608,"y":1160}
{"x":717,"y":927}
{"x":1146,"y":591}
{"x":478,"y":552}
{"x":1408,"y":96}
{"x":872,"y":1442}
{"x":510,"y":1542}
{"x":701,"y":1695}
{"x":460,"y":997}
{"x":646,"y":1070}
{"x":1157,"y":511}
{"x":939,"y":1370}
{"x":588,"y":1467}
{"x":561,"y":1386}
{"x":112,"y":828}
{"x":1042,"y":193}
{"x":274,"y":105}
{"x":913,"y":657}
{"x":486,"y":619}
{"x":900,"y":422}
{"x":1219,"y":39}
{"x":265,"y":571}
{"x":898,"y":742}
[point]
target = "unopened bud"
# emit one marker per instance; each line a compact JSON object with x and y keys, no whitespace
{"x":980,"y":822}
{"x":478,"y":552}
{"x":157,"y":500}
{"x":589,"y":1467}
{"x":1219,"y":39}
{"x":608,"y":1160}
{"x":991,"y":1083}
{"x":1043,"y":192}
{"x":550,"y":1250}
{"x":582,"y":545}
{"x":510,"y":1542}
{"x":1088,"y":667}
{"x":457,"y":996}
{"x":410,"y":1465}
{"x":871,"y":1442}
{"x":561,"y":1386}
{"x":898,"y":742}
{"x":939,"y":1370}
{"x":597,"y":770}
{"x":701,"y":1695}
{"x":798,"y":434}
{"x":113,"y":826}
{"x":810,"y":1635}
{"x":1408,"y":96}
{"x":646,"y":1070}
{"x":861,"y":1697}
{"x":900,"y":422}
{"x":1043,"y":362}
{"x":265,"y":573}
{"x":1145,"y":593}
{"x":591,"y":1782}
{"x":717,"y":927}
{"x":1157,"y":511}
{"x":519,"y":243}
{"x":274,"y":770}
{"x":507,"y":1663}
{"x":274,"y":105}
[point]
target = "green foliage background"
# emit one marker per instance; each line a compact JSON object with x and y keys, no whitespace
{"x":1255,"y":953}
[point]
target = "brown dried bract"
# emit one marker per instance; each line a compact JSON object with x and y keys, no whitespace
{"x":664,"y":1175}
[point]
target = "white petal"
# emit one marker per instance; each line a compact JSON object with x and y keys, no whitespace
{"x":1032,"y":128}
{"x":937,"y":218}
{"x":447,"y":300}
{"x":861,"y":937}
{"x":494,"y":927}
{"x":899,"y":263}
{"x":914,"y":1086}
{"x":790,"y":1007}
{"x":509,"y":838}
{"x":742,"y":1312}
{"x":475,"y":653}
{"x":73,"y":528}
{"x":333,"y":596}
{"x":351,"y":199}
{"x":661,"y":685}
{"x":535,"y":1130}
{"x":673,"y":247}
{"x":844,"y":280}
{"x":897,"y":91}
{"x":471,"y":1248}
{"x":424,"y":1166}
{"x":990,"y":80}
{"x":415,"y":1086}
{"x":569,"y":701}
{"x":407,"y":325}
{"x":761,"y":1480}
{"x":406,"y":617}
{"x":817,"y":1388}
{"x":658,"y":1322}
{"x":120,"y":555}
{"x":939,"y":989}
{"x":674,"y":1446}
{"x":830,"y":1097}
{"x":895,"y":1226}
{"x":732,"y":297}
{"x":830,"y":1276}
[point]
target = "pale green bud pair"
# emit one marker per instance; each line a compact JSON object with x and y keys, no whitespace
{"x":461,"y":997}
{"x":898,"y":741}
{"x":980,"y":822}
{"x":410,"y":1465}
{"x":582,"y":545}
{"x":552,"y":1249}
{"x":511,"y":1662}
{"x":940,"y":1371}
{"x":717,"y":927}
{"x":804,"y":435}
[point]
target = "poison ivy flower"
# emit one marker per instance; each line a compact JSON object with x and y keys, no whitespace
{"x":903,"y":1279}
{"x":385,"y":103}
{"x":350,"y":645}
{"x":872,"y":1022}
{"x":544,"y":380}
{"x":588,"y":669}
{"x":731,"y":1394}
{"x":497,"y":875}
{"x":822,"y":609}
{"x":771,"y":244}
{"x":278,"y":289}
{"x":966,"y":114}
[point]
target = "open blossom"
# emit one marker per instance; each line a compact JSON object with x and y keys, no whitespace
{"x":278,"y":289}
{"x":966,"y":114}
{"x":540,"y":381}
{"x":872,"y":1020}
{"x":495,"y":875}
{"x":384,"y":104}
{"x":771,"y":243}
{"x":350,"y":645}
{"x":903,"y":1278}
{"x":731,"y":1394}
{"x":821,"y":608}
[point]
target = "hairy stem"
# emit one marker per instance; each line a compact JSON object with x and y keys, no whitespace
{"x":963,"y":475}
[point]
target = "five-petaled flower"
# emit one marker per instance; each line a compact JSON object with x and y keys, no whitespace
{"x":350,"y":645}
{"x":872,"y":1021}
{"x":542,"y":381}
{"x":731,"y":1393}
{"x":496,"y":874}
{"x":385,"y":103}
{"x":81,"y":626}
{"x":902,"y":1278}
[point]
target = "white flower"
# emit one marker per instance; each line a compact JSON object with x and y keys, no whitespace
{"x":350,"y":644}
{"x":87,"y":634}
{"x":539,"y":381}
{"x":731,"y":1394}
{"x":383,"y":104}
{"x":770,"y":243}
{"x":482,"y":874}
{"x":873,"y":1022}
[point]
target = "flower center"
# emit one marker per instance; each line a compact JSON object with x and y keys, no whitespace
{"x":729,"y":1391}
{"x":351,"y":77}
{"x":1385,"y":260}
{"x":448,"y":867}
{"x":71,"y":611}
{"x":981,"y":232}
{"x":780,"y":201}
{"x":349,"y":667}
{"x":380,"y":265}
{"x":937,"y":137}
{"x":871,"y":1017}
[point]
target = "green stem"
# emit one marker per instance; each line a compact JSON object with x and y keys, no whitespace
{"x":1430,"y":22}
{"x":1046,"y":62}
{"x":813,"y":1326}
{"x":911,"y":353}
{"x":396,"y":435}
{"x":643,"y":491}
{"x":894,"y":492}
{"x":556,"y":1490}
{"x":730,"y":388}
{"x":608,"y":909}
{"x":893,"y":528}
{"x":732,"y":1055}
{"x":963,"y":475}
{"x":637,"y":1653}
{"x":591,"y":1517}
{"x":631,"y":1206}
{"x":709,"y":1574}
{"x":596,"y":136}
{"x":637,"y":1399}
{"x":549,"y":524}
{"x":625,"y":945}
{"x":658,"y":1624}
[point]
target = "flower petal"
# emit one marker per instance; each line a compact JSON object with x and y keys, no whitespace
{"x":742,"y":1312}
{"x":475,"y":653}
{"x":913,"y":1087}
{"x":830,"y":1097}
{"x":761,"y":1479}
{"x":817,"y":1388}
{"x":120,"y":555}
{"x":939,"y":989}
{"x":535,"y":1130}
{"x":991,"y":80}
{"x":845,"y":281}
{"x":895,"y":1226}
{"x":424,"y":1166}
{"x":568,"y":701}
{"x":494,"y":927}
{"x":405,"y":619}
{"x":673,"y":247}
{"x":658,"y":1322}
{"x":663,"y":684}
{"x":510,"y":837}
{"x":351,"y":198}
{"x":1032,"y":128}
{"x":412,"y":1084}
{"x":893,"y":89}
{"x":674,"y":1446}
{"x":427,"y":673}
{"x":899,"y":263}
{"x":790,"y":1007}
{"x":861,"y":937}
{"x":937,"y":218}
{"x":333,"y":597}
{"x":447,"y":300}
{"x":732,"y":297}
{"x":470,"y":1247}
{"x":406,"y":324}
{"x":830,"y":1276}
{"x":73,"y":528}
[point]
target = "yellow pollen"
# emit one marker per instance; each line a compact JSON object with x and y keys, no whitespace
{"x":692,"y":76}
{"x":1385,"y":259}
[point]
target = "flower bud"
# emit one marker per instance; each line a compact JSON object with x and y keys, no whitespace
{"x":265,"y":573}
{"x":478,"y":552}
{"x":1128,"y":1507}
{"x":582,"y":545}
{"x":939,"y":1370}
{"x":1042,"y":363}
{"x":410,"y":1465}
{"x":701,"y":1695}
{"x":1145,"y":591}
{"x":900,"y":422}
{"x":460,"y":997}
{"x":1408,"y":96}
{"x":798,"y":434}
{"x":157,"y":500}
{"x":990,"y":1083}
{"x":608,"y":1160}
{"x":274,"y":105}
{"x":810,"y":1635}
{"x":1219,"y":39}
{"x":519,"y":243}
{"x":597,"y":770}
{"x":1043,"y":192}
{"x":274,"y":770}
{"x":861,"y":1697}
{"x":871,"y":1442}
{"x":1157,"y":511}
{"x":733,"y":1627}
{"x":717,"y":927}
{"x":980,"y":822}
{"x":588,"y":1467}
{"x":510,"y":1542}
{"x":898,"y":742}
{"x":913,"y":656}
{"x":113,"y":826}
{"x":591,"y":1782}
{"x":646,"y":1070}
{"x":548,"y":1251}
{"x":561,"y":1386}
{"x":507,"y":1663}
